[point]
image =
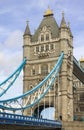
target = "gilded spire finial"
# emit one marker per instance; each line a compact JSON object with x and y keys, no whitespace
{"x":48,"y":12}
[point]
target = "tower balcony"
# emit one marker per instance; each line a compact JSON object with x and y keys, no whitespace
{"x":43,"y":54}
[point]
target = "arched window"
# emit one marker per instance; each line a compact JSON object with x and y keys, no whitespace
{"x":47,"y":37}
{"x":47,"y":47}
{"x":37,"y":48}
{"x":33,"y":71}
{"x":42,"y":48}
{"x":42,"y":38}
{"x":44,"y":69}
{"x":51,"y":46}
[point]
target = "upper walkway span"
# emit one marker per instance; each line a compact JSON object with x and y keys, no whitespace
{"x":77,"y":70}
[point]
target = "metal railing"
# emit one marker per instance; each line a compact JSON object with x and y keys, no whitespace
{"x":6,"y":118}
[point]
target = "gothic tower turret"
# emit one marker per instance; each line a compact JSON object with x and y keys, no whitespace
{"x":27,"y":42}
{"x":66,"y":89}
{"x":26,"y":54}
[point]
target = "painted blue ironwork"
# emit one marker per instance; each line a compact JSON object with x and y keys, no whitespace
{"x":51,"y":76}
{"x":6,"y":118}
{"x":5,"y":85}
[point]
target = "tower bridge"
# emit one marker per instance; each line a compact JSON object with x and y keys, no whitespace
{"x":52,"y":78}
{"x":42,"y":51}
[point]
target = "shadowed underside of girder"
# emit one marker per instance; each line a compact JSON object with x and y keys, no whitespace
{"x":24,"y":127}
{"x":77,"y":70}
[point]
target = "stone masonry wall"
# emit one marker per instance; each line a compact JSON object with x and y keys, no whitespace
{"x":75,"y":125}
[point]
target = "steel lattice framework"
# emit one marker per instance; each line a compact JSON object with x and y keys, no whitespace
{"x":33,"y":96}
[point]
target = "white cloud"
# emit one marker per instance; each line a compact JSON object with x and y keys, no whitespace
{"x":4,"y":31}
{"x":4,"y":10}
{"x":10,"y":59}
{"x":11,"y":53}
{"x":79,"y":52}
{"x":42,"y":4}
{"x":78,"y":44}
{"x":79,"y":38}
{"x":14,"y":41}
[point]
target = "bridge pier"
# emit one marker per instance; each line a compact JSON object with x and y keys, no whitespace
{"x":73,"y":125}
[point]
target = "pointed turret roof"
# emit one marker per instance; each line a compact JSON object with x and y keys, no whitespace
{"x":69,"y":30}
{"x":27,"y":30}
{"x":63,"y":22}
{"x":48,"y":21}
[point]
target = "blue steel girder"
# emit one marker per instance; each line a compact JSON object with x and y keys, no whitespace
{"x":14,"y":119}
{"x":6,"y":84}
{"x":5,"y":104}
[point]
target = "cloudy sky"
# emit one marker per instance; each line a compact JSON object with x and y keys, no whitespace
{"x":13,"y":17}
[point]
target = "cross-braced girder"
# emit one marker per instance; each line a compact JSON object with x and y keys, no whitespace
{"x":33,"y":96}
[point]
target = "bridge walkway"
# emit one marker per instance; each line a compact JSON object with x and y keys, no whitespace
{"x":20,"y":122}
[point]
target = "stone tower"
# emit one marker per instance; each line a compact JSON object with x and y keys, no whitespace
{"x":42,"y":51}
